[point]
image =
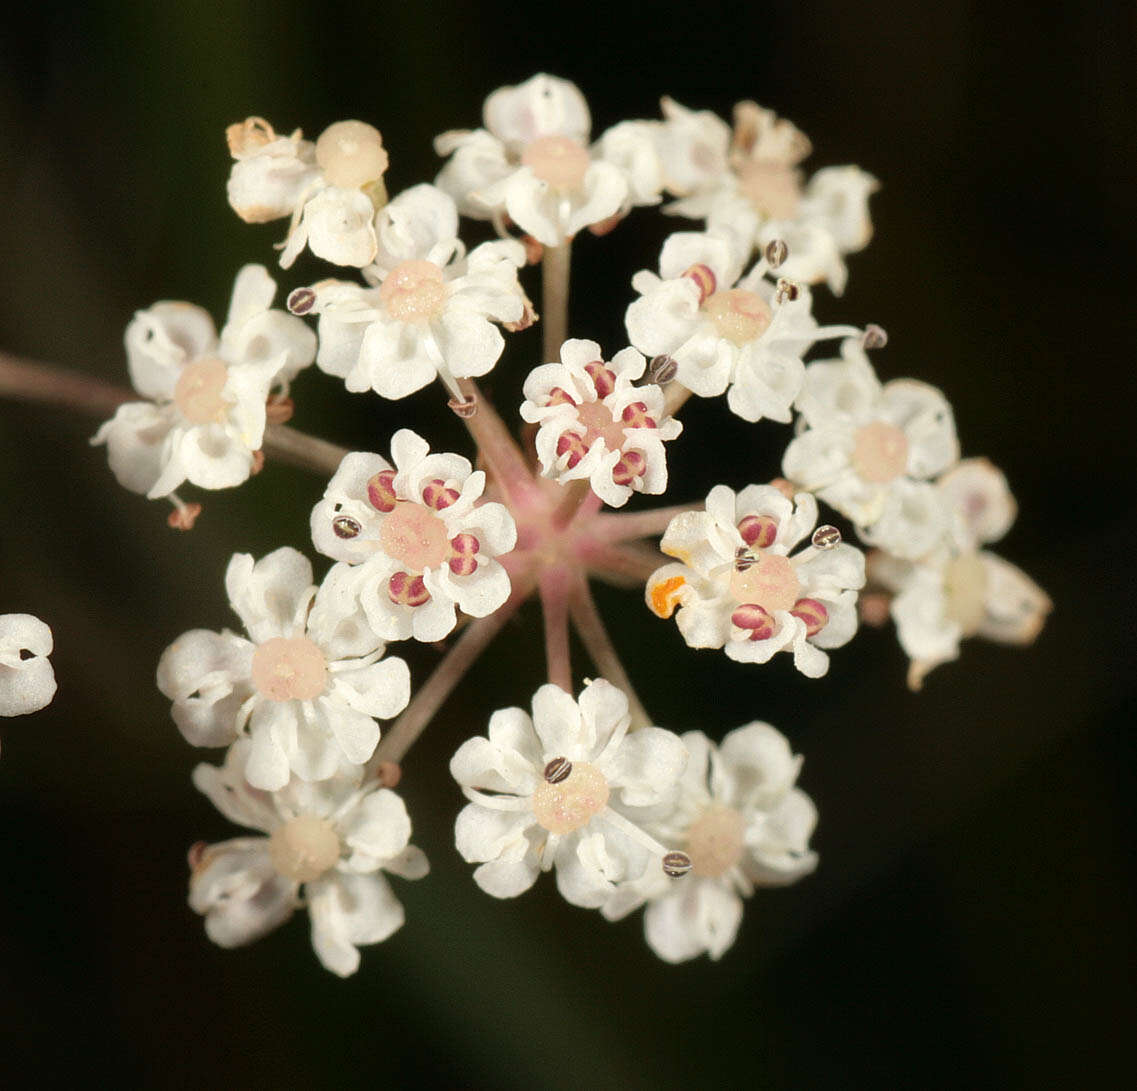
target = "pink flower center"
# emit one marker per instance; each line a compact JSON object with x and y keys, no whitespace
{"x":557,"y":160}
{"x":414,"y":291}
{"x":351,"y":154}
{"x":198,"y":391}
{"x":304,"y":848}
{"x":769,"y":581}
{"x":415,"y":537}
{"x":965,"y":584}
{"x":773,"y":189}
{"x":289,"y":669}
{"x":715,"y":843}
{"x":598,"y":423}
{"x":880,"y":452}
{"x":738,"y":315}
{"x":570,"y":804}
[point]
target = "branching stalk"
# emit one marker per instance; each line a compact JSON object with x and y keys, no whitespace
{"x":593,"y":634}
{"x":555,"y":296}
{"x":401,"y":735}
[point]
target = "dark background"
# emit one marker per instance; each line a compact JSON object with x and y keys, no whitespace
{"x":971,"y":921}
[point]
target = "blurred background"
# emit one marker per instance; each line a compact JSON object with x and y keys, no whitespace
{"x":971,"y":920}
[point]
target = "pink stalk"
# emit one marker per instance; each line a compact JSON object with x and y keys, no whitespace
{"x":400,"y":736}
{"x":589,"y":624}
{"x":628,"y":526}
{"x":26,"y":380}
{"x":625,"y":565}
{"x":554,"y":587}
{"x":555,"y":265}
{"x":499,"y":449}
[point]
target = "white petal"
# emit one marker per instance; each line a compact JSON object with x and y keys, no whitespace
{"x":239,"y":892}
{"x":266,"y":594}
{"x":340,"y":228}
{"x":207,"y":676}
{"x":379,"y":826}
{"x":348,"y":911}
{"x":699,"y":917}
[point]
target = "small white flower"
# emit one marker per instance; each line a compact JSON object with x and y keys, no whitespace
{"x":422,"y":545}
{"x":328,"y":846}
{"x":751,"y":189}
{"x":206,"y":413}
{"x":737,"y":587}
{"x":306,"y":686}
{"x":331,"y":189}
{"x":742,"y":823}
{"x":869,"y":449}
{"x":532,"y":162}
{"x":960,"y":590}
{"x":565,"y":789}
{"x":748,"y":335}
{"x":430,"y":310}
{"x":27,"y":681}
{"x":596,"y":425}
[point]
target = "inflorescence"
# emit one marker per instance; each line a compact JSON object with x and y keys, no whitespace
{"x":435,"y":546}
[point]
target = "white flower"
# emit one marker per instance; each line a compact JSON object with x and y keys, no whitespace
{"x":868,"y":449}
{"x":737,"y":587}
{"x":751,"y":189}
{"x":748,"y":335}
{"x":960,"y":590}
{"x":596,"y":425}
{"x":430,"y":310}
{"x":27,"y":681}
{"x":306,"y":686}
{"x":422,"y":544}
{"x":328,"y":846}
{"x":331,"y":189}
{"x":206,"y":413}
{"x":742,"y":823}
{"x":565,"y":789}
{"x":532,"y":162}
{"x":693,"y":148}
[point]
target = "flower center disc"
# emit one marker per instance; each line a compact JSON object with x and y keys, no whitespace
{"x":415,"y":537}
{"x":599,"y":423}
{"x":304,"y":848}
{"x":198,"y":391}
{"x":772,"y":189}
{"x":770,"y":582}
{"x":289,"y":669}
{"x":557,"y":160}
{"x":738,"y":315}
{"x":351,"y":154}
{"x":965,"y":584}
{"x":414,"y":291}
{"x":714,"y":842}
{"x":564,"y":807}
{"x":880,"y":452}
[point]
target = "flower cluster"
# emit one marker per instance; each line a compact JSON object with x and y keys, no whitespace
{"x":439,"y":548}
